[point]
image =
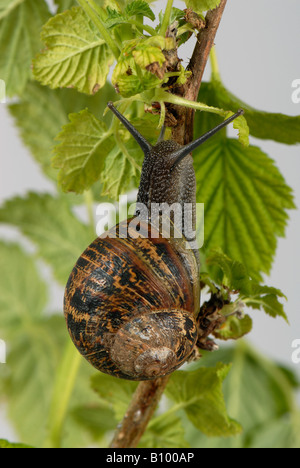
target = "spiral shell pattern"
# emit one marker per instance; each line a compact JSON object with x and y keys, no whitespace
{"x":130,"y":303}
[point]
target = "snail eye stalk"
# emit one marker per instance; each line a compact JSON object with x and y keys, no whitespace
{"x":180,"y":154}
{"x":144,"y":144}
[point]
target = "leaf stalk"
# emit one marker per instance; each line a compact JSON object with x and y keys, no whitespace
{"x":215,"y":74}
{"x":166,"y":19}
{"x":90,"y":9}
{"x":63,"y":389}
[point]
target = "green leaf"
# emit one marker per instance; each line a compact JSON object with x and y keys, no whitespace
{"x":280,"y":433}
{"x":114,"y":18}
{"x":123,"y":165}
{"x":32,"y":360}
{"x":50,"y":224}
{"x":65,"y":4}
{"x":235,"y":277}
{"x":176,"y":15}
{"x":139,"y":7}
{"x":32,"y":342}
{"x":234,"y":328}
{"x":241,"y":125}
{"x":133,"y":73}
{"x":265,"y":297}
{"x":199,"y":6}
{"x":257,"y":392}
{"x":18,"y":296}
{"x":164,"y":431}
{"x":48,"y":110}
{"x":84,"y":144}
{"x":199,"y":393}
{"x":246,"y":201}
{"x":130,"y":85}
{"x":147,"y":125}
{"x":230,"y":273}
{"x":75,"y":55}
{"x":122,"y":169}
{"x":96,"y":420}
{"x":264,"y":125}
{"x":39,"y":108}
{"x":89,"y":152}
{"x":36,"y":350}
{"x":135,"y":8}
{"x":115,"y":393}
{"x":6,"y":444}
{"x":20,"y":25}
{"x":146,"y":55}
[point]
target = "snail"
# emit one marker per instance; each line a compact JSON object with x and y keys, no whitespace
{"x":131,"y":302}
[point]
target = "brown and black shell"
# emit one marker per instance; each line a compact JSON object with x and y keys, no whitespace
{"x":117,"y":280}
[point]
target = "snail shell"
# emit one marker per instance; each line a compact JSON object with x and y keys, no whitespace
{"x":130,"y":303}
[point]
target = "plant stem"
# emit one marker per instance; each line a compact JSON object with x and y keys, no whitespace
{"x":205,"y":41}
{"x":215,"y":71}
{"x":204,"y":44}
{"x":139,"y":412}
{"x":164,"y":96}
{"x":166,"y":20}
{"x":142,"y":27}
{"x":162,"y":114}
{"x":89,"y":201}
{"x":96,"y":7}
{"x":63,"y":388}
{"x":86,"y":6}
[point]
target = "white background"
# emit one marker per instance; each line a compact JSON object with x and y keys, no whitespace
{"x":258,"y":47}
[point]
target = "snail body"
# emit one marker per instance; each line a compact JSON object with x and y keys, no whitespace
{"x":131,"y":304}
